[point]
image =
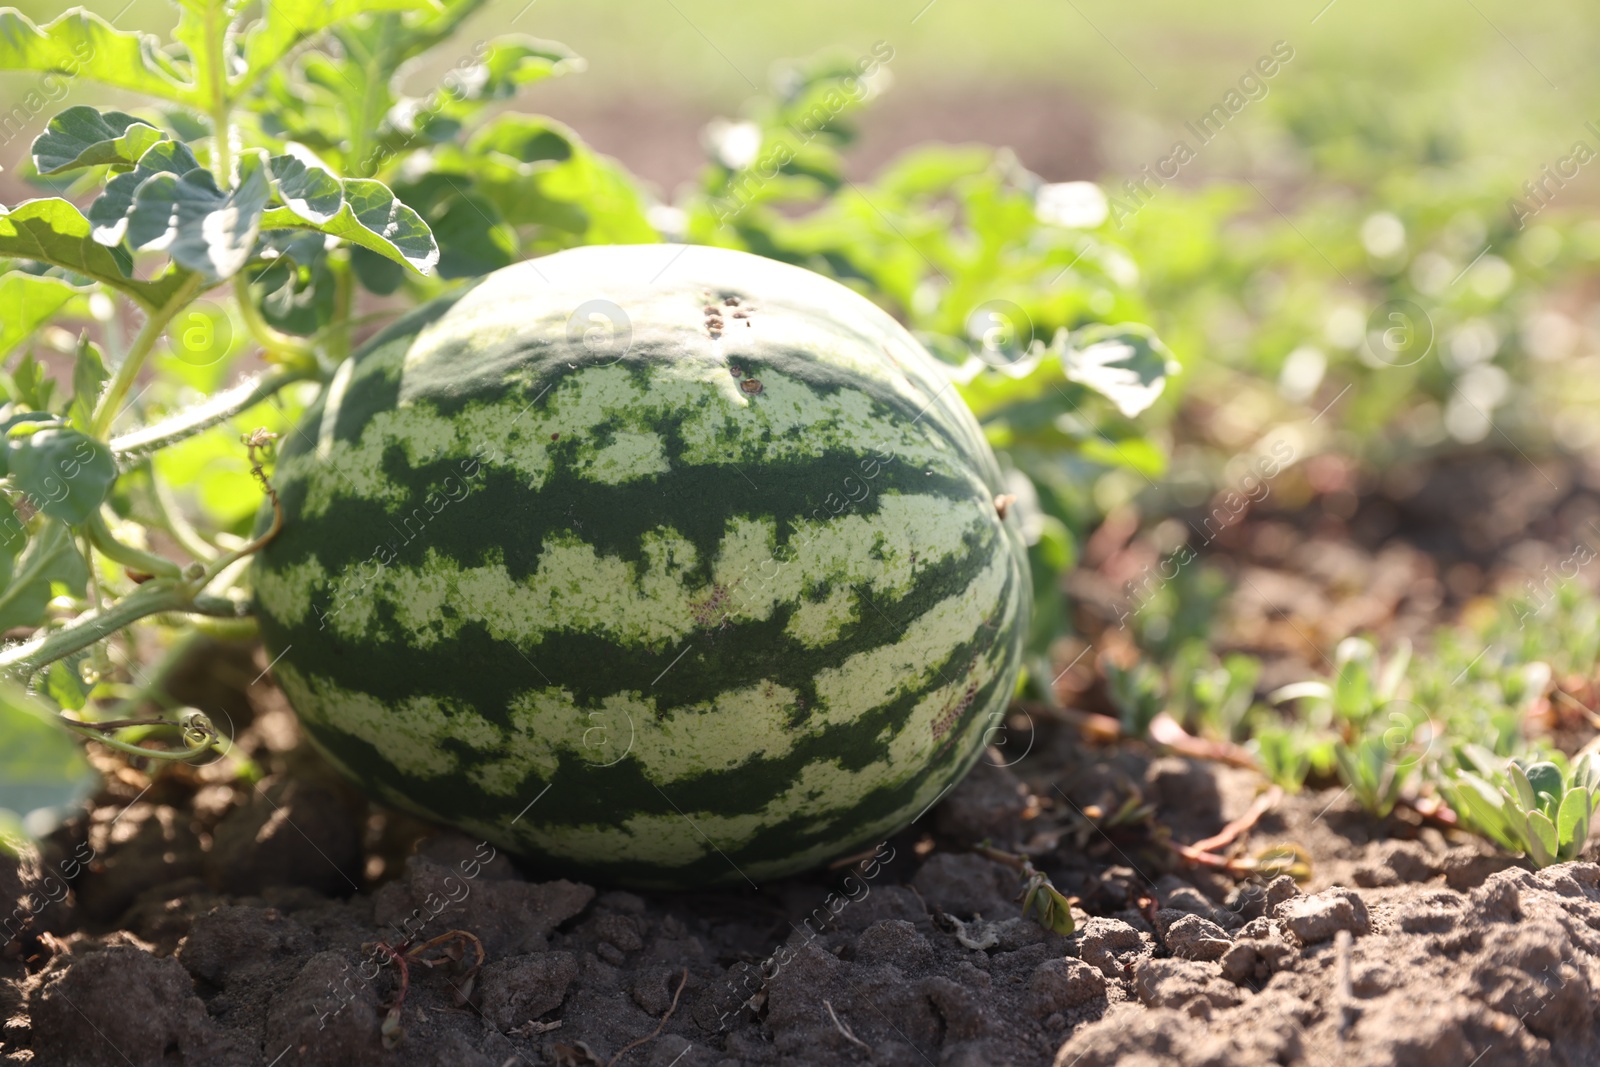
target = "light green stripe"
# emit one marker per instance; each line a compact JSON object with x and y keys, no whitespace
{"x":670,"y":743}
{"x":787,"y":421}
{"x":576,"y":589}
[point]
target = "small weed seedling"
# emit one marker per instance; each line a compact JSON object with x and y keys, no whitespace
{"x":1541,"y":809}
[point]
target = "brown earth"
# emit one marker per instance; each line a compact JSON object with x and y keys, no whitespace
{"x":178,"y":945}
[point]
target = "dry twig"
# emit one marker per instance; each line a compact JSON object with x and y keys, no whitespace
{"x":1226,"y":836}
{"x":1167,"y":731}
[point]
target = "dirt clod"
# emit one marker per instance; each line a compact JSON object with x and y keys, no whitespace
{"x":965,"y":884}
{"x":526,"y":987}
{"x":1317,"y":918}
{"x":289,"y":832}
{"x":81,"y":1000}
{"x":1060,"y":985}
{"x":1194,"y":938}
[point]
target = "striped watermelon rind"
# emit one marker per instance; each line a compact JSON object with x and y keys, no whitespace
{"x":714,"y":599}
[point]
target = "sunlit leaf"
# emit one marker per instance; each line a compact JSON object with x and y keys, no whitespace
{"x":64,"y":685}
{"x":84,"y":137}
{"x":108,"y":215}
{"x":1124,"y":363}
{"x":309,"y":191}
{"x":27,"y":301}
{"x":285,"y":23}
{"x":374,"y":219}
{"x":202,"y":228}
{"x":52,"y":230}
{"x":514,"y":61}
{"x":1544,"y":837}
{"x":82,"y":44}
{"x":1572,"y":819}
{"x":51,"y":557}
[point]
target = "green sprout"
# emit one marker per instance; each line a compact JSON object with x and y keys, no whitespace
{"x":1380,"y":737}
{"x":1040,"y":898}
{"x":1541,"y":809}
{"x":1139,"y":693}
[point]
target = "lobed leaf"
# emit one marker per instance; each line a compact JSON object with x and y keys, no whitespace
{"x":372,"y":218}
{"x":84,"y":137}
{"x":52,"y":230}
{"x":64,"y":473}
{"x":202,"y":26}
{"x":284,"y":24}
{"x":1127,"y":364}
{"x":108,"y":215}
{"x":309,"y":191}
{"x":82,"y":44}
{"x":202,"y":228}
{"x":514,"y":61}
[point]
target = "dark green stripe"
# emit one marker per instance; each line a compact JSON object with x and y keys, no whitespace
{"x":582,"y":794}
{"x":500,"y":517}
{"x":593,"y":666}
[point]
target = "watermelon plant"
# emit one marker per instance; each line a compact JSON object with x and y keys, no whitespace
{"x":630,"y":534}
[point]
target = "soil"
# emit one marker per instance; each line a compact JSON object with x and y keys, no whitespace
{"x":204,"y":917}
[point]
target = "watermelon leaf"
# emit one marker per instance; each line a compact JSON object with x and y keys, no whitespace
{"x":1126,"y":364}
{"x":108,"y":215}
{"x":286,"y":23}
{"x":309,"y":191}
{"x":51,"y":557}
{"x":202,"y":228}
{"x":52,"y":230}
{"x":27,"y":301}
{"x":81,"y":43}
{"x":89,"y":375}
{"x":41,"y":766}
{"x":372,"y":218}
{"x":514,"y":61}
{"x":67,"y":474}
{"x":84,"y":137}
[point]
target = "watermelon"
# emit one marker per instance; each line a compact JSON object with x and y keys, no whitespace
{"x":657,"y":566}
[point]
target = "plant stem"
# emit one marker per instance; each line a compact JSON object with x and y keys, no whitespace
{"x":287,"y":350}
{"x":94,"y":733}
{"x":171,"y":518}
{"x":105,"y":413}
{"x":135,"y":559}
{"x":247,"y":394}
{"x":217,"y":70}
{"x":152,"y":598}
